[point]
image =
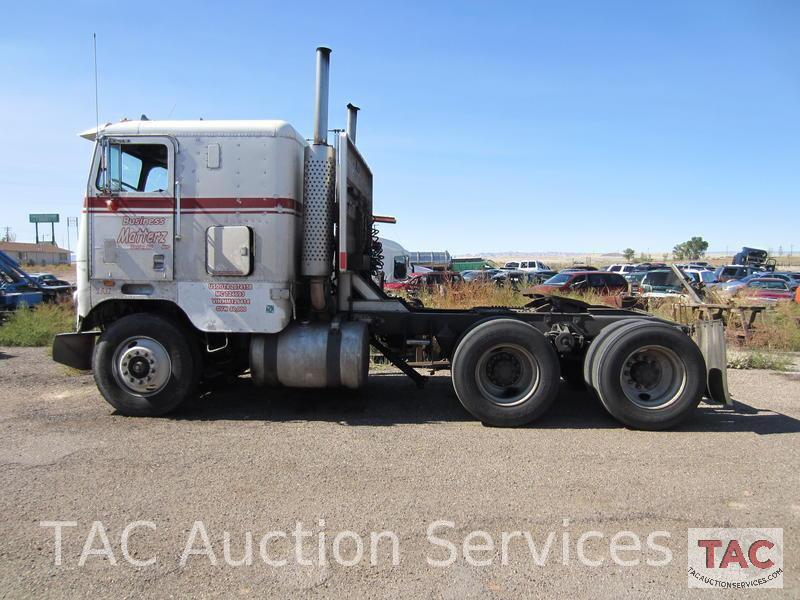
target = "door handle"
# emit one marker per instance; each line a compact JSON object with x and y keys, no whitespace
{"x":178,"y":210}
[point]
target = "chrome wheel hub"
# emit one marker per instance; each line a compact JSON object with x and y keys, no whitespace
{"x":142,"y":366}
{"x":507,"y":375}
{"x":653,"y":377}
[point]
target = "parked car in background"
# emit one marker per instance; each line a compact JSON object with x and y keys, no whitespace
{"x":733,"y":285}
{"x":635,"y":280}
{"x":600,"y":282}
{"x":526,"y":266}
{"x":533,"y":266}
{"x":508,"y":276}
{"x":49,"y":280}
{"x":540,"y":277}
{"x":19,"y":287}
{"x":621,"y":269}
{"x":483,"y":275}
{"x":793,"y":279}
{"x":767,"y":288}
{"x":695,"y":266}
{"x":517,"y":277}
{"x":704,"y":276}
{"x":700,"y":265}
{"x":649,"y":266}
{"x":732,"y":272}
{"x":660,"y":282}
{"x":420,"y":281}
{"x":578,"y":268}
{"x":18,"y":291}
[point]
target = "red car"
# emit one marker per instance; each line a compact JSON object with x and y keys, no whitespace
{"x":599,"y":282}
{"x":424,"y":280}
{"x":767,"y":288}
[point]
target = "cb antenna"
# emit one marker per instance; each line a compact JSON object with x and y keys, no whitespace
{"x":96,"y":101}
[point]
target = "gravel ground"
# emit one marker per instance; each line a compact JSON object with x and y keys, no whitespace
{"x":394,"y":458}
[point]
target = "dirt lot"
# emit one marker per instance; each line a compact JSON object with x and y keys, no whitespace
{"x":397,"y":459}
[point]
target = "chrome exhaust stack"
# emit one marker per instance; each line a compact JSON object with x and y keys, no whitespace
{"x":319,"y":185}
{"x":321,"y":95}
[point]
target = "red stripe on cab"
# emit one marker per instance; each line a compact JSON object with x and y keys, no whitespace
{"x":201,"y":204}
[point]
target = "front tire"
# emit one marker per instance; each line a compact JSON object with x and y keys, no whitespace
{"x":505,"y":372}
{"x":145,"y":366}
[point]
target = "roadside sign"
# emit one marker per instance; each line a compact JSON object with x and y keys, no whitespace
{"x":51,"y":218}
{"x":43,"y":218}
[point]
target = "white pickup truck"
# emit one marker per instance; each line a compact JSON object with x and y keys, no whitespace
{"x":526,"y":266}
{"x":622,"y":269}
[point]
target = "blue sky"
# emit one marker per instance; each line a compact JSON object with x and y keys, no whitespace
{"x":489,"y":126}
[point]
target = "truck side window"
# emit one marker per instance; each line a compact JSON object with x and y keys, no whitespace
{"x":136,"y":168}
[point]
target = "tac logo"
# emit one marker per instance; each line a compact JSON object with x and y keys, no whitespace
{"x":735,"y":558}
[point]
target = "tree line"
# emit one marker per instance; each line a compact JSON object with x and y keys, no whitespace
{"x":692,"y":249}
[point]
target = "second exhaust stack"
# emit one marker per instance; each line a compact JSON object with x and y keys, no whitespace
{"x":352,"y":120}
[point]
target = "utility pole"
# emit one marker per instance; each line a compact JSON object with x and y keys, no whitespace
{"x":73,"y":221}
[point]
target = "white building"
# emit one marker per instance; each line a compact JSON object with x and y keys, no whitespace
{"x":35,"y":254}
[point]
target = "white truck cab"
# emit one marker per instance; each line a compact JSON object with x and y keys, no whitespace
{"x":177,"y":210}
{"x":396,"y":262}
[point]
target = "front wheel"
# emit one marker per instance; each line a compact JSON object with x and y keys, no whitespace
{"x":505,"y":372}
{"x":145,"y":366}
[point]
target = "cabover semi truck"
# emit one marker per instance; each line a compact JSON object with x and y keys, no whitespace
{"x":211,"y":248}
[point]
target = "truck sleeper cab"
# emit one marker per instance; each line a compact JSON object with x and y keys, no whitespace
{"x":217,"y":247}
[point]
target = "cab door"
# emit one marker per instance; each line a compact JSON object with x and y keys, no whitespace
{"x":131,"y":209}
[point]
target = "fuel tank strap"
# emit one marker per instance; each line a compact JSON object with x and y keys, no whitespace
{"x":332,"y":357}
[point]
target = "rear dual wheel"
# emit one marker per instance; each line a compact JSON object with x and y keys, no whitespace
{"x":505,"y":372}
{"x":648,"y":375}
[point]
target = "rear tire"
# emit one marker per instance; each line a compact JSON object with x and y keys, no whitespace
{"x":649,"y":375}
{"x":145,"y":366}
{"x":597,"y":342}
{"x":505,"y":372}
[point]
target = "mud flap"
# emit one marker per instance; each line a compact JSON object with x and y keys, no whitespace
{"x":710,"y":337}
{"x":74,"y":349}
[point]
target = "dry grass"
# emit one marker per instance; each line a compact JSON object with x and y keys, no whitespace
{"x":487,"y":294}
{"x":758,"y":360}
{"x":470,"y":295}
{"x":779,"y":328}
{"x":37,"y":326}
